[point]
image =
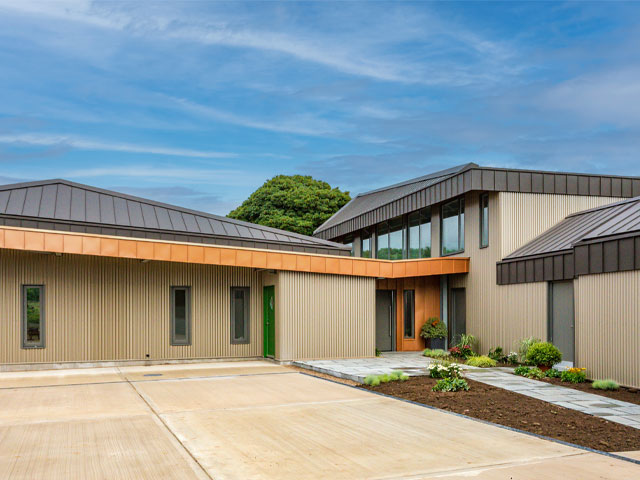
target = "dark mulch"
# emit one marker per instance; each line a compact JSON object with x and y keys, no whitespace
{"x":518,"y":411}
{"x":624,"y":394}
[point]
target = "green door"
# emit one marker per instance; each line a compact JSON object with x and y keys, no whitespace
{"x":268,"y":299}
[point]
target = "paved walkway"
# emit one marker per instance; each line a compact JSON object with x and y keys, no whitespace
{"x":598,"y":405}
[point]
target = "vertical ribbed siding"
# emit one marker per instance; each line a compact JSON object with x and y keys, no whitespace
{"x":100,"y":309}
{"x":607,"y":308}
{"x":501,"y":315}
{"x":324,"y":316}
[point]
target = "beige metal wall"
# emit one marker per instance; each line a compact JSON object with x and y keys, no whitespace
{"x":501,"y":315}
{"x":101,"y":309}
{"x":324,"y":316}
{"x":607,"y":308}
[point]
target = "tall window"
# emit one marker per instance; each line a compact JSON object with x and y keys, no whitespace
{"x":484,"y":220}
{"x":349,"y":241}
{"x":33,"y":316}
{"x":419,"y":232}
{"x":180,"y":315}
{"x":409,"y":313}
{"x":382,"y":241}
{"x":240,"y":315}
{"x":366,"y":244}
{"x":452,"y":227}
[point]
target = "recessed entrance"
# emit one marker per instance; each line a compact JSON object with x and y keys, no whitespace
{"x":561,"y":319}
{"x":385,"y":320}
{"x":269,"y":318}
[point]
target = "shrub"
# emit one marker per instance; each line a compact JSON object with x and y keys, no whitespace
{"x":398,"y":375}
{"x":466,"y":339}
{"x":529,"y":372}
{"x":437,"y":353}
{"x":385,"y":378}
{"x":522,"y":370}
{"x":524,"y":345}
{"x":605,"y":385}
{"x":434,"y":328}
{"x":378,"y":353}
{"x":481,"y":361}
{"x":552,"y":373}
{"x":444,"y":370}
{"x":544,"y":353}
{"x":463,"y":351}
{"x":372,"y":380}
{"x":574,"y":375}
{"x":512,"y":358}
{"x":497,"y":354}
{"x":450,"y":385}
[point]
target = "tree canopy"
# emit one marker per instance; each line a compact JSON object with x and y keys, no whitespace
{"x":295,"y":203}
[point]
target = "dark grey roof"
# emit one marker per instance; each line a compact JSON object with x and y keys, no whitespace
{"x":65,"y":205}
{"x":603,"y":239}
{"x":378,"y":205}
{"x":613,"y":219}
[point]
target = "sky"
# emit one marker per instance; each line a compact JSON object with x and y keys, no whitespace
{"x":198,"y":103}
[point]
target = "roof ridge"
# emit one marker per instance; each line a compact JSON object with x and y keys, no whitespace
{"x":169,"y":206}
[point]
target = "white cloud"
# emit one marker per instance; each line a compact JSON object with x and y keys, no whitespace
{"x":88,"y":144}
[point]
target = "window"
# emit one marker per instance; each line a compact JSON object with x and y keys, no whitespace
{"x":419,"y":233}
{"x":382,"y":241}
{"x":366,"y":245}
{"x":180,"y":315}
{"x":452,"y":227}
{"x":396,"y":239}
{"x":484,"y":220}
{"x":409,"y":313}
{"x":33,"y":316}
{"x":240,"y":315}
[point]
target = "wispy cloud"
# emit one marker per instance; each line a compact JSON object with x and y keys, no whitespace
{"x":89,"y":144}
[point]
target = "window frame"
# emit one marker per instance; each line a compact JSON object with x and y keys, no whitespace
{"x":423,"y":218}
{"x":484,"y":197}
{"x":245,"y":339}
{"x":412,"y":293}
{"x":172,"y":314}
{"x":461,"y":229}
{"x":23,"y":318}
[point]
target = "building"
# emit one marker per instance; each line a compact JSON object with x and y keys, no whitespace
{"x":527,"y":276}
{"x":91,"y":275}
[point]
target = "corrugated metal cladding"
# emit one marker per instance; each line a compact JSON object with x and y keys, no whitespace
{"x":501,"y":315}
{"x":101,"y":309}
{"x":607,"y":309}
{"x":324,"y":316}
{"x":483,"y":179}
{"x":69,"y":206}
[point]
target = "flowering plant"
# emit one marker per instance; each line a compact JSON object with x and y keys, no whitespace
{"x":574,"y":375}
{"x":444,"y":370}
{"x":433,"y":328}
{"x":461,"y":351}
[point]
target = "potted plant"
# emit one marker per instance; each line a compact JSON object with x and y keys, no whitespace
{"x":544,"y":355}
{"x":434,"y":332}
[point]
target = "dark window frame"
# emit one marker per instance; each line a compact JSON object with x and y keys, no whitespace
{"x":406,"y":296}
{"x":484,"y":197}
{"x":245,"y":339}
{"x":23,"y":318}
{"x":461,"y":227}
{"x":172,"y":311}
{"x":424,"y":218}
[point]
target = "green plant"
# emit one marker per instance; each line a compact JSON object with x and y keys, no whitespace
{"x":467,"y":339}
{"x":481,"y":361}
{"x":433,"y":328}
{"x":378,"y":353}
{"x":536,"y":373}
{"x":372,"y":380}
{"x":444,"y":370}
{"x":524,"y":345}
{"x":398,"y":375}
{"x":497,"y":354}
{"x":463,"y":351}
{"x":450,"y":385}
{"x":522,"y":370}
{"x":385,"y":378}
{"x":437,"y":353}
{"x":512,"y":358}
{"x":545,"y":354}
{"x":605,"y":385}
{"x":552,"y":373}
{"x":574,"y":375}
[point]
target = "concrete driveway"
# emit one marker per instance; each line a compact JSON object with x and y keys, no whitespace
{"x":254,"y":420}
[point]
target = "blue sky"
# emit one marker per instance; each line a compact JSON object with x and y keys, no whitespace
{"x":198,"y":103}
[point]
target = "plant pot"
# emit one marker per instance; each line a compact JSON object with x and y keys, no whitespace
{"x":544,"y":368}
{"x":436,"y":343}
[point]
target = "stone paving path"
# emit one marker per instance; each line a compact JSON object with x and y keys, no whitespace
{"x":414,"y":364}
{"x":598,"y":405}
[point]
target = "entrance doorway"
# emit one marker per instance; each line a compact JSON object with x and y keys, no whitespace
{"x":561,"y":319}
{"x":269,"y":316}
{"x":385,"y":320}
{"x":457,"y":315}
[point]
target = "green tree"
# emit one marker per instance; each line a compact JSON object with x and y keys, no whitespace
{"x":295,"y":203}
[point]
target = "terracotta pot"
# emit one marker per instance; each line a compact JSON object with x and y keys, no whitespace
{"x":544,"y":368}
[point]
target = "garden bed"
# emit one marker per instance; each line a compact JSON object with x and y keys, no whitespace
{"x":624,"y":394}
{"x":518,"y":411}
